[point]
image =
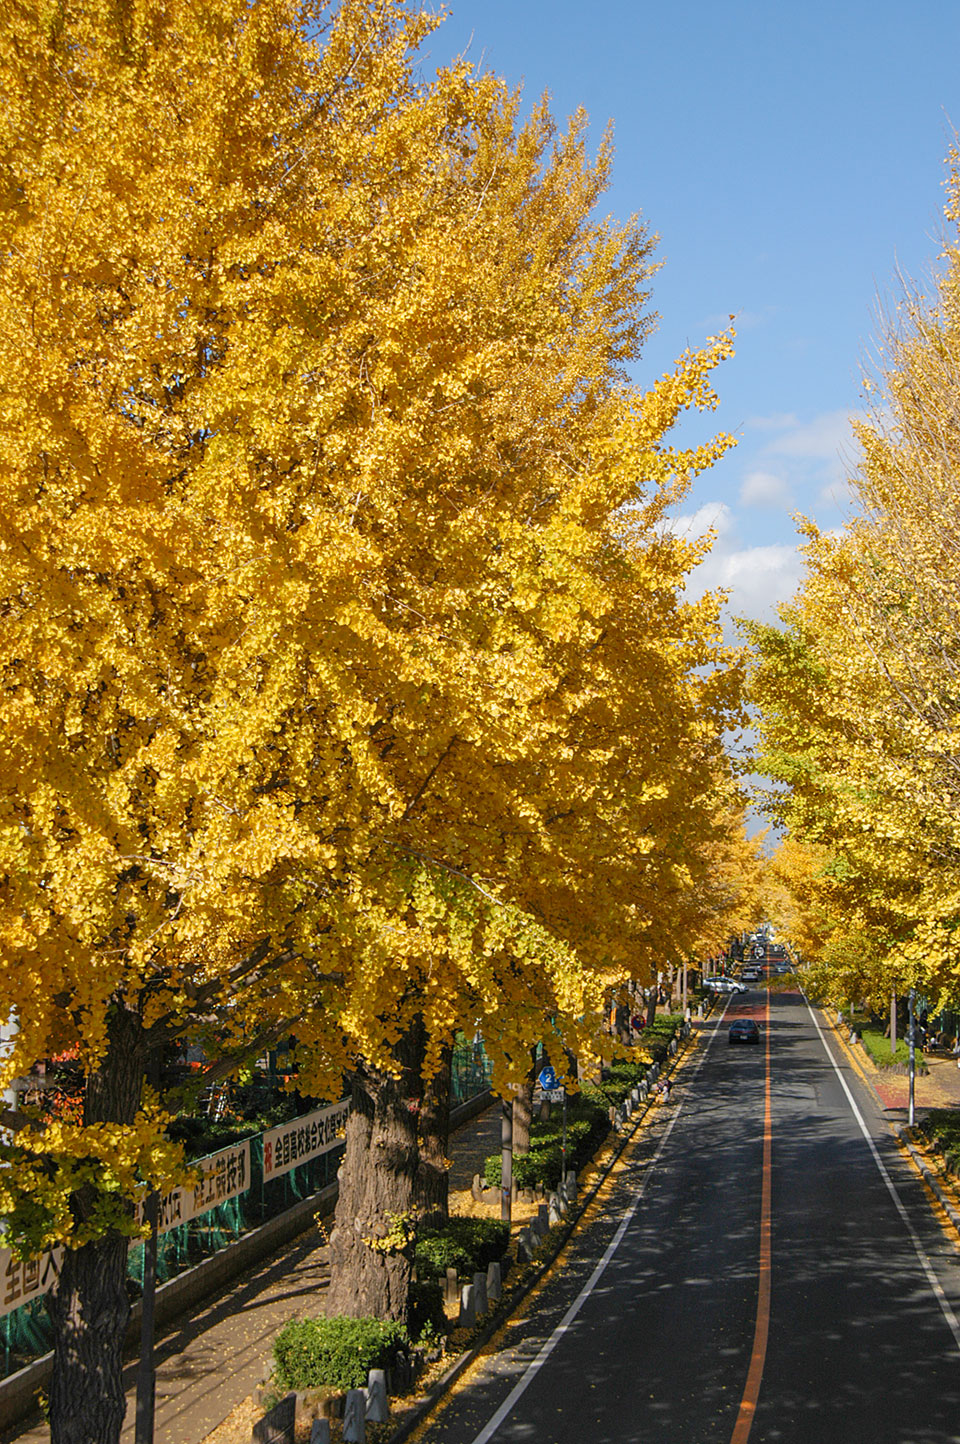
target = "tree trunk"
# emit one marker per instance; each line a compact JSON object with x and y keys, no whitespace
{"x":893,"y":1023}
{"x":433,"y":1173}
{"x":378,"y":1183}
{"x":652,"y":1005}
{"x":89,"y":1308}
{"x":523,"y":1109}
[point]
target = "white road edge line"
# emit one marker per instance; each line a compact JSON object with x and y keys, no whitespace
{"x":535,"y":1365}
{"x":925,"y":1263}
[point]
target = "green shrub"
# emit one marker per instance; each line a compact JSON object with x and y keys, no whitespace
{"x":425,"y":1313}
{"x":587,"y":1125}
{"x":878,"y":1047}
{"x":334,"y":1353}
{"x":465,"y":1244}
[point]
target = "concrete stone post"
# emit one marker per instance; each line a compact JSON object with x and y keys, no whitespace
{"x":527,"y":1242}
{"x":378,"y":1411}
{"x":355,"y":1417}
{"x":494,"y":1282}
{"x":468,"y":1307}
{"x":480,"y":1293}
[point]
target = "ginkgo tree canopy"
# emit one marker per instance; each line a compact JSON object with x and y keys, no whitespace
{"x":345,"y":673}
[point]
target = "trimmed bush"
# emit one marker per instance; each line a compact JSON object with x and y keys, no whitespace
{"x":877,"y":1044}
{"x":587,"y":1125}
{"x":334,"y":1353}
{"x":465,"y":1244}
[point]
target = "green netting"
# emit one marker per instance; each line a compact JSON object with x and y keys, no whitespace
{"x":470,"y":1070}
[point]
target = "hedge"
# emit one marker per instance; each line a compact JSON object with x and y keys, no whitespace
{"x":465,"y":1244}
{"x":335,"y":1353}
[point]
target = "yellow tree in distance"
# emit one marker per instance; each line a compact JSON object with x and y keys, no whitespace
{"x":859,"y":690}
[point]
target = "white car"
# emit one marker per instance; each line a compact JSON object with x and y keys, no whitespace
{"x":724,"y":985}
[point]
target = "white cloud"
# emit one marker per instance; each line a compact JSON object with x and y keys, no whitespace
{"x":757,"y":578}
{"x":821,"y":439}
{"x":765,"y":488}
{"x":715,"y":516}
{"x":838,"y":493}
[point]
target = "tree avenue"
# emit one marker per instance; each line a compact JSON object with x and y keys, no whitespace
{"x":349,"y":692}
{"x":859,"y":690}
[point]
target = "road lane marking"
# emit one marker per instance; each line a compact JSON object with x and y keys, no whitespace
{"x":751,"y":1392}
{"x":925,"y":1263}
{"x":535,"y":1365}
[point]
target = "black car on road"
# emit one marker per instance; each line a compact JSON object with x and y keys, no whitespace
{"x":744,"y":1030}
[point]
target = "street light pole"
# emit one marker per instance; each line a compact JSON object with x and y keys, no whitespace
{"x":146,"y":1376}
{"x":913,"y":1056}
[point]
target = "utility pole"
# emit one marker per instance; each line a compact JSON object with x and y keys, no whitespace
{"x":911,"y":1043}
{"x":146,"y":1376}
{"x":506,"y":1161}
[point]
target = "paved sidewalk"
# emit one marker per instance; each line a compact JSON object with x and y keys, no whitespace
{"x":210,"y":1359}
{"x":938,"y":1088}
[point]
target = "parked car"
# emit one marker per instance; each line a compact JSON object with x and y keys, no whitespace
{"x":724,"y":985}
{"x":743,"y":1030}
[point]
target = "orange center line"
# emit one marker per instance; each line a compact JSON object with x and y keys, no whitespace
{"x":751,"y":1393}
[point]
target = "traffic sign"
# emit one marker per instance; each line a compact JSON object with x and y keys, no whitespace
{"x":548,"y":1079}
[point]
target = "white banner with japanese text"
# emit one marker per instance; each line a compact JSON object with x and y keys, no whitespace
{"x":24,"y":1279}
{"x":298,"y":1141}
{"x":223,"y":1175}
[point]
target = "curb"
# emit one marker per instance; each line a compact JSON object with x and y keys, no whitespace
{"x":929,"y":1177}
{"x":510,"y":1302}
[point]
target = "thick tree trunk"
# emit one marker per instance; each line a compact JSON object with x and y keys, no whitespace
{"x":378,"y":1180}
{"x":90,"y":1313}
{"x":652,"y":1005}
{"x":523,"y":1110}
{"x":433,"y":1173}
{"x":89,"y":1308}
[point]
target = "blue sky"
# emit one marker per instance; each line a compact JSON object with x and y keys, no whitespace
{"x":790,"y":157}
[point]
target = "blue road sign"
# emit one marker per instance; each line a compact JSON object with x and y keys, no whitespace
{"x":548,"y":1079}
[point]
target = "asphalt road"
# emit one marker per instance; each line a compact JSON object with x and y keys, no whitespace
{"x":657,"y":1329}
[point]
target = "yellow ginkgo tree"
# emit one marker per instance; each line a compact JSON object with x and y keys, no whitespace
{"x":347,"y":689}
{"x":859,"y":690}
